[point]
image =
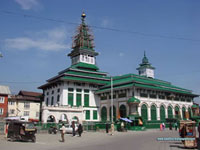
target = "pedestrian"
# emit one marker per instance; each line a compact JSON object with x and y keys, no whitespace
{"x":170,"y":126}
{"x":161,"y":127}
{"x":107,"y":127}
{"x":6,"y":130}
{"x":122,"y":126}
{"x":80,"y":130}
{"x":176,"y":126}
{"x":112,"y":128}
{"x":73,"y":128}
{"x":62,"y":131}
{"x":199,"y":130}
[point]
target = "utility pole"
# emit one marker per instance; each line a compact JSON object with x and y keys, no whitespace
{"x":111,"y":99}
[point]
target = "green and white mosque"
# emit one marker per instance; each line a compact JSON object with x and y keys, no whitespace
{"x":82,"y":92}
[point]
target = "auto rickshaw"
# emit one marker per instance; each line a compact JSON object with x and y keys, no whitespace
{"x":23,"y":131}
{"x":187,"y":130}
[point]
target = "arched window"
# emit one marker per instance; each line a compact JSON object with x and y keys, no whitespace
{"x":153,"y":113}
{"x":114,"y":113}
{"x":162,"y":112}
{"x":103,"y":114}
{"x":184,"y":113}
{"x":177,"y":113}
{"x":144,"y":112}
{"x":169,"y":111}
{"x":122,"y":110}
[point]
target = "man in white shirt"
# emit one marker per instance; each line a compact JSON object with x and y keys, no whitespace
{"x":62,"y":131}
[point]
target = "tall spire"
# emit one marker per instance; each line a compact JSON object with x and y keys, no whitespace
{"x":83,"y":47}
{"x":83,"y":39}
{"x":145,"y":59}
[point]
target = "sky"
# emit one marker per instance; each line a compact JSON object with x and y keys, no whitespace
{"x":36,"y":36}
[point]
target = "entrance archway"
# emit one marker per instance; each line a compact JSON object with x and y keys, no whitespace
{"x":162,"y":113}
{"x":153,"y":112}
{"x":177,"y":113}
{"x":104,"y":114}
{"x":51,"y":118}
{"x":144,"y":112}
{"x":170,"y":112}
{"x":114,"y":113}
{"x":122,"y":110}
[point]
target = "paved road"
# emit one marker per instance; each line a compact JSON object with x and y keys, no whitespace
{"x":132,"y":140}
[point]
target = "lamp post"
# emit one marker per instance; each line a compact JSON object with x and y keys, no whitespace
{"x":111,"y":84}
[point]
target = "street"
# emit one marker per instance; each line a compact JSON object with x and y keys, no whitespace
{"x":137,"y":140}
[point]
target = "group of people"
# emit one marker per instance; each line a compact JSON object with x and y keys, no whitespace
{"x":63,"y":130}
{"x":112,"y":128}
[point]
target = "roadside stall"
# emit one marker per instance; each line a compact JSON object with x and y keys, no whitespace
{"x":188,"y":130}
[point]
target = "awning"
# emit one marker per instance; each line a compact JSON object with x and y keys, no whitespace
{"x":125,"y":119}
{"x":133,"y":100}
{"x":195,"y":106}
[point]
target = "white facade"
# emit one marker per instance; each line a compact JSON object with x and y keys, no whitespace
{"x":57,"y":108}
{"x":84,"y":58}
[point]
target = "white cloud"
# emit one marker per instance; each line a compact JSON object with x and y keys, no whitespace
{"x":47,"y":40}
{"x":28,"y":4}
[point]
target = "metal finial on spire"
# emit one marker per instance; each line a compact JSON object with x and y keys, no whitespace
{"x":83,"y":17}
{"x":144,"y":54}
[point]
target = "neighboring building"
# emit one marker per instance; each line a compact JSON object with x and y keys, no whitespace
{"x":26,"y":104}
{"x":4,"y":93}
{"x":82,"y":92}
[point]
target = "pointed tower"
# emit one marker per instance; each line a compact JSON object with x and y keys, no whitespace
{"x":145,"y":68}
{"x":83,"y":47}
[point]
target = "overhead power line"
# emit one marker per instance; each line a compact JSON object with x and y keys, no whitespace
{"x":98,"y":27}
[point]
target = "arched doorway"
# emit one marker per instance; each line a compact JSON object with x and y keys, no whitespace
{"x":177,"y":113}
{"x":114,"y":113}
{"x":153,"y":113}
{"x":170,"y":112}
{"x":162,"y":113}
{"x":63,"y":118}
{"x":144,"y":112}
{"x":51,"y":118}
{"x":104,"y":114}
{"x":122,"y":110}
{"x":184,"y":113}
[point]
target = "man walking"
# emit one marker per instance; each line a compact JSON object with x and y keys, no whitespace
{"x":80,"y":130}
{"x":107,"y":127}
{"x":73,"y":128}
{"x":62,"y":131}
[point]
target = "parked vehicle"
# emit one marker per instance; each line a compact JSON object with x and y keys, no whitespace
{"x":52,"y":129}
{"x":23,"y":131}
{"x":188,"y":130}
{"x":69,"y":128}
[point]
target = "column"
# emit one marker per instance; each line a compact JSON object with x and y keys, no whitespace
{"x":149,"y":112}
{"x":158,"y":113}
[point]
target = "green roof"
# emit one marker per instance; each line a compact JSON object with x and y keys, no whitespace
{"x":115,"y":87}
{"x":195,"y":106}
{"x":141,"y":81}
{"x":133,"y":100}
{"x":85,"y":66}
{"x":84,"y":79}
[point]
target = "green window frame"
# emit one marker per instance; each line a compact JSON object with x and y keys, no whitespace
{"x":170,"y":112}
{"x":70,"y":99}
{"x":162,"y":112}
{"x":153,"y":112}
{"x":144,"y":112}
{"x":87,"y":114}
{"x":78,"y":100}
{"x":94,"y":114}
{"x":86,"y":100}
{"x":86,"y":90}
